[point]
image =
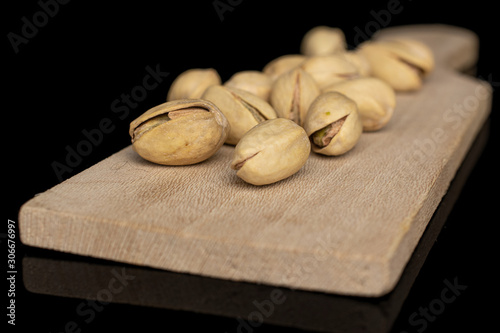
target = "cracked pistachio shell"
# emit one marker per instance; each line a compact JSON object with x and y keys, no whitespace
{"x":191,"y":84}
{"x":375,"y":99}
{"x":271,"y":151}
{"x":254,"y":82}
{"x":323,"y":40}
{"x":402,"y":63}
{"x":179,"y":132}
{"x":329,"y":69}
{"x":283,"y":64}
{"x":292,"y":94}
{"x":333,"y":124}
{"x":242,"y":109}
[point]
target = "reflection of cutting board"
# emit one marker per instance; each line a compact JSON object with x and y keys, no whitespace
{"x":345,"y":225}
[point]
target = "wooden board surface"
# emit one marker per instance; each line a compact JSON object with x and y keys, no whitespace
{"x":344,"y":225}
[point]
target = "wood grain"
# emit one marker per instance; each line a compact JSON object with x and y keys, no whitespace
{"x":344,"y":225}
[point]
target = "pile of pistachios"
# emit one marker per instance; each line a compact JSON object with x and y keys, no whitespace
{"x":318,"y":101}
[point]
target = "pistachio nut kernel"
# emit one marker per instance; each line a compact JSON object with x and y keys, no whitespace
{"x":179,"y":132}
{"x":292,"y":94}
{"x":254,"y":82}
{"x":402,"y":63}
{"x":271,"y":151}
{"x":242,"y":109}
{"x":375,"y":99}
{"x":282,"y":64}
{"x":323,"y":40}
{"x":191,"y":84}
{"x":333,"y":124}
{"x":329,"y":69}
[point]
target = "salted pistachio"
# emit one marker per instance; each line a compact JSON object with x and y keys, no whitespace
{"x":242,"y":109}
{"x":323,"y":40}
{"x":329,"y":69}
{"x":375,"y":99}
{"x":333,"y":124}
{"x":179,"y":132}
{"x":359,"y":61}
{"x":254,"y":82}
{"x":271,"y":151}
{"x":191,"y":84}
{"x":282,"y":64}
{"x":292,"y":94}
{"x":403,"y":63}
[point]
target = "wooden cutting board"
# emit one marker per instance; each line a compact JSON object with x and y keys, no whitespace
{"x":345,"y":225}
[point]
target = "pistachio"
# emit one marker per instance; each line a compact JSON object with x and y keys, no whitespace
{"x":192,"y":83}
{"x":271,"y":151}
{"x":333,"y":124}
{"x":359,"y":61}
{"x":375,"y":99}
{"x":179,"y":132}
{"x":242,"y":109}
{"x":330,"y":69}
{"x":323,"y":40}
{"x":282,"y":64}
{"x":254,"y":82}
{"x":402,"y":63}
{"x":292,"y":94}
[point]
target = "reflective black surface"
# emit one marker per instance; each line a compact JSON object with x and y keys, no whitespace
{"x":66,"y":79}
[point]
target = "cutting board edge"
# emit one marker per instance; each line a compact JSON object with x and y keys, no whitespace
{"x":446,"y":175}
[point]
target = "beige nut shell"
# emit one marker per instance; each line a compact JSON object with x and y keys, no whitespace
{"x":282,"y":64}
{"x":188,"y":138}
{"x":328,"y":108}
{"x":375,"y":99}
{"x":401,"y":63}
{"x":242,"y":109}
{"x":191,"y":84}
{"x":292,"y":94}
{"x":271,"y":151}
{"x":323,"y":40}
{"x":329,"y":69}
{"x":254,"y":82}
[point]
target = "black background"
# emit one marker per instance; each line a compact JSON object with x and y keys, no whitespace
{"x":65,"y":78}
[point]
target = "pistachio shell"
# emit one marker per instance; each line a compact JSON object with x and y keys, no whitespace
{"x":375,"y":99}
{"x":179,"y":132}
{"x":292,"y":94}
{"x":283,"y":64}
{"x":359,"y":61}
{"x":402,"y":63}
{"x":254,"y":82}
{"x":330,"y":69}
{"x":192,"y":83}
{"x":335,"y":117}
{"x":242,"y":109}
{"x":323,"y":40}
{"x":271,"y":151}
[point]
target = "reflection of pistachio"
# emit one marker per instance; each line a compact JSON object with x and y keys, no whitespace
{"x":292,"y":94}
{"x":282,"y":64}
{"x":254,"y":82}
{"x":402,"y":63}
{"x":192,"y":83}
{"x":179,"y":132}
{"x":323,"y":40}
{"x":330,"y":69}
{"x":271,"y":151}
{"x":375,"y":99}
{"x":242,"y":109}
{"x":333,"y":124}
